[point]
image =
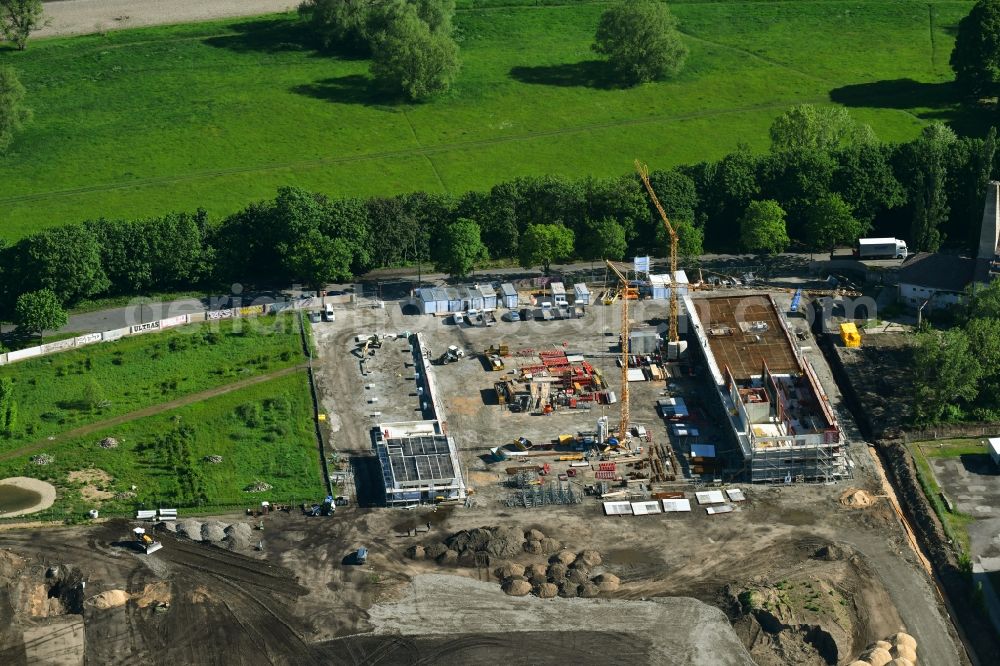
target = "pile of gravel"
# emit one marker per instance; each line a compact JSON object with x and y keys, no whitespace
{"x":239,"y":536}
{"x":215,"y":460}
{"x":258,"y":487}
{"x":109,"y":443}
{"x":42,"y":459}
{"x":190,"y":528}
{"x":213,"y":530}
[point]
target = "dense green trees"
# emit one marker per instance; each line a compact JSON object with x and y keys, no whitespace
{"x":20,"y":18}
{"x":544,"y":244}
{"x":460,"y":248}
{"x":831,"y":222}
{"x":410,"y":41}
{"x":13,"y":113}
{"x":976,"y":56}
{"x":825,"y":128}
{"x":762,"y":228}
{"x":38,"y":311}
{"x":946,"y":372}
{"x":641,"y":41}
{"x":828,"y":197}
{"x":411,"y":55}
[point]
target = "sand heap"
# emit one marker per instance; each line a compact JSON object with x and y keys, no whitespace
{"x":900,"y":649}
{"x":109,"y":599}
{"x":856,"y":498}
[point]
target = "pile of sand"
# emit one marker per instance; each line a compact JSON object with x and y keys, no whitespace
{"x":516,"y":587}
{"x":900,"y":649}
{"x":109,"y":599}
{"x":856,"y":498}
{"x":154,"y":594}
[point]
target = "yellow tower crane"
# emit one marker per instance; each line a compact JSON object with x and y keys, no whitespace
{"x":643,"y":171}
{"x":624,"y":425}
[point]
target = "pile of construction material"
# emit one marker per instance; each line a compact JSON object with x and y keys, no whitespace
{"x":237,"y":536}
{"x":898,"y":650}
{"x":562,"y":572}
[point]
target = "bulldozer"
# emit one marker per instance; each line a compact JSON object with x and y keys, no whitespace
{"x":146,"y":543}
{"x":498,"y":350}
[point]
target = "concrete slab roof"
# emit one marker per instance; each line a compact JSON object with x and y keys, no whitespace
{"x":744,"y":349}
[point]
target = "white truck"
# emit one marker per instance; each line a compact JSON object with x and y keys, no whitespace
{"x":880,"y":248}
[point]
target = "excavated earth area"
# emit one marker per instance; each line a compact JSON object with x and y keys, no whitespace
{"x":794,"y":576}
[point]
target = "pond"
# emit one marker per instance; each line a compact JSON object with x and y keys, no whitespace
{"x":13,"y":498}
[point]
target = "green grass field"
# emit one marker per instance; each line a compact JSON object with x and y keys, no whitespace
{"x":263,"y":433}
{"x":956,"y":523}
{"x":144,"y":121}
{"x":67,"y":390}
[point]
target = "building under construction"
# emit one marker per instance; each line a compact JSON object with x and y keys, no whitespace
{"x":779,"y":414}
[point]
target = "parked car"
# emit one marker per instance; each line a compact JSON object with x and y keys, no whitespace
{"x":512,"y":316}
{"x":527,"y":314}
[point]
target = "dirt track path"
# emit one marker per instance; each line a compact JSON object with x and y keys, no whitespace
{"x":159,"y":408}
{"x":79,"y":17}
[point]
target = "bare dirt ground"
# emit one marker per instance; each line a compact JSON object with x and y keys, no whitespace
{"x":79,"y":17}
{"x":800,"y":577}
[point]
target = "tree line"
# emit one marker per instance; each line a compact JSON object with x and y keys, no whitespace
{"x":813,"y":196}
{"x":957,"y":370}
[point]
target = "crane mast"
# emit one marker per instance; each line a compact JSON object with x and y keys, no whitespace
{"x":643,"y":171}
{"x":623,"y":426}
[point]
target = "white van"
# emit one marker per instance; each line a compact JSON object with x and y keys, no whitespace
{"x":328,"y":314}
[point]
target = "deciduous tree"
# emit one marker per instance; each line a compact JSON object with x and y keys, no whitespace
{"x":410,"y":58}
{"x":830,"y":222}
{"x":38,"y":311}
{"x":543,"y":244}
{"x":601,"y":239}
{"x":19,"y":18}
{"x":13,"y":113}
{"x":460,"y":248}
{"x":810,"y":127}
{"x":641,"y":41}
{"x":762,"y":228}
{"x":976,"y":56}
{"x":946,"y":371}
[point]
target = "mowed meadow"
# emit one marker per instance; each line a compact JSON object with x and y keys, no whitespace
{"x":216,"y":115}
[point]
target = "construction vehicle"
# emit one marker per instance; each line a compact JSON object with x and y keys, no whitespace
{"x":496,"y":363}
{"x":498,"y":350}
{"x":674,"y":297}
{"x":451,"y":355}
{"x":361,"y":555}
{"x":372,"y":343}
{"x":146,"y":543}
{"x":623,"y":427}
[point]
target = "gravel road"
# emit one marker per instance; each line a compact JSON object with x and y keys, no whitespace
{"x":79,"y":17}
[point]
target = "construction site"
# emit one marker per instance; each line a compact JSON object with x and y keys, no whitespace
{"x":664,"y":460}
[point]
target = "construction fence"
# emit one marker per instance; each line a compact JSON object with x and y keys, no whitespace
{"x":158,"y":325}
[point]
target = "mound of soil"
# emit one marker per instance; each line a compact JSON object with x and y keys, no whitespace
{"x":856,"y":498}
{"x":416,"y":553}
{"x":534,"y":535}
{"x":557,"y":571}
{"x":533,"y":547}
{"x":516,"y":587}
{"x":508,"y":570}
{"x":546,"y":591}
{"x":590,"y":558}
{"x":566,"y":557}
{"x":568,"y":590}
{"x":549,"y":545}
{"x":588,"y":590}
{"x":109,"y":599}
{"x":501,"y":542}
{"x":434,"y":550}
{"x":238,"y":536}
